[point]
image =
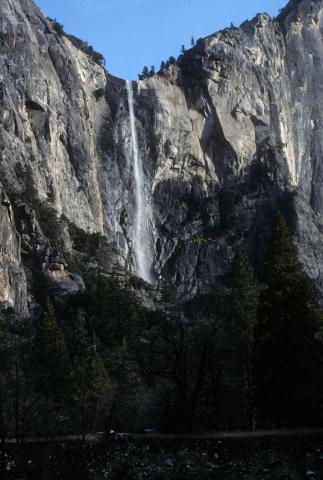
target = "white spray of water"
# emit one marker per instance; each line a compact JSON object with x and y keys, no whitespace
{"x":141,"y":235}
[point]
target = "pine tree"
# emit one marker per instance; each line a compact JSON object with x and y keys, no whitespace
{"x":58,"y":27}
{"x":15,"y":348}
{"x":113,"y":310}
{"x":152,"y":71}
{"x":165,"y":297}
{"x":242,"y":309}
{"x":183,"y":49}
{"x":192,"y":41}
{"x":288,"y":348}
{"x":51,"y":362}
{"x":90,"y":379}
{"x":145,"y":72}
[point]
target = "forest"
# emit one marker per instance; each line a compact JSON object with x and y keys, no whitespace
{"x":127,"y":357}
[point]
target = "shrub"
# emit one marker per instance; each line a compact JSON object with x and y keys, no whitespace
{"x":45,"y":213}
{"x":49,"y":222}
{"x":58,"y":27}
{"x":99,"y":93}
{"x":88,"y":50}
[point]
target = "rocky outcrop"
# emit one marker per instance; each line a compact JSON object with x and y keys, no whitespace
{"x":228,"y":135}
{"x":237,"y":135}
{"x":13,"y":282}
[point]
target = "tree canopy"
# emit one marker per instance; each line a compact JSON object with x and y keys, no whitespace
{"x":288,"y":341}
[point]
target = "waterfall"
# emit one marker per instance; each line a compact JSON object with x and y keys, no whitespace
{"x":141,"y":236}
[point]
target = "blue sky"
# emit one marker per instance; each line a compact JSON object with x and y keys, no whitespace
{"x":134,"y":33}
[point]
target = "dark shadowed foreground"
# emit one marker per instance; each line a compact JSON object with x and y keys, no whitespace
{"x":281,"y":455}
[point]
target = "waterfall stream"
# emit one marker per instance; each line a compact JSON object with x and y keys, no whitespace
{"x":141,"y":235}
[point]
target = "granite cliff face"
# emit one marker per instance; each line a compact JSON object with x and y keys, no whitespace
{"x":13,"y":282}
{"x":228,"y":135}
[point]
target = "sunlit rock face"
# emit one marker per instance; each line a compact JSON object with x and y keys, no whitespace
{"x":13,"y":282}
{"x":227,"y":137}
{"x":235,"y":134}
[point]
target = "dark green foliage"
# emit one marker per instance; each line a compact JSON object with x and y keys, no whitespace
{"x":58,"y":27}
{"x":88,"y":49}
{"x":181,"y":357}
{"x":45,"y":213}
{"x":242,"y":312}
{"x":244,"y":297}
{"x":89,"y":374}
{"x":90,"y":378}
{"x":105,"y":360}
{"x":49,"y":222}
{"x":93,"y":257}
{"x":288,"y":354}
{"x":192,"y":41}
{"x":50,"y":379}
{"x":258,"y":172}
{"x":14,"y":348}
{"x":137,"y":283}
{"x":183,"y":49}
{"x":25,"y":178}
{"x":152,"y":71}
{"x":164,"y":65}
{"x":226,"y":204}
{"x":80,"y":44}
{"x":93,"y":244}
{"x":52,"y":368}
{"x":146,"y":73}
{"x":99,"y":93}
{"x":114,"y":309}
{"x":178,"y":356}
{"x":110,"y":317}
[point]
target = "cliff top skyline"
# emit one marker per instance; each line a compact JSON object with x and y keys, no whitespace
{"x":134,"y":33}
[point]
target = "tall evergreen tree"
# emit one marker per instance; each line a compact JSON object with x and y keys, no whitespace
{"x":152,"y":71}
{"x":242,"y":309}
{"x":113,"y":309}
{"x":145,"y":72}
{"x":288,"y":351}
{"x":90,"y":379}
